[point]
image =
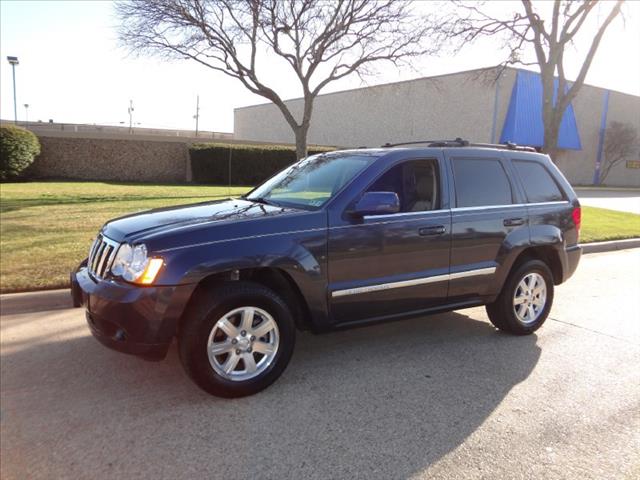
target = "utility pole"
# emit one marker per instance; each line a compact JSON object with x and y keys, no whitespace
{"x":13,"y":61}
{"x":26,"y":114}
{"x":197,"y":115}
{"x":130,"y":110}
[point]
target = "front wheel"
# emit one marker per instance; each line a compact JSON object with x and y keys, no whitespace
{"x":236,"y":340}
{"x":525,"y":301}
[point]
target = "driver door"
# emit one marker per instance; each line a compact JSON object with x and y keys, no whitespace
{"x":381,"y":266}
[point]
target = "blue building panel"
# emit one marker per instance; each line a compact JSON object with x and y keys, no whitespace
{"x":523,"y":124}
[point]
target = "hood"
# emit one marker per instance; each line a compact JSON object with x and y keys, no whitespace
{"x":134,"y":228}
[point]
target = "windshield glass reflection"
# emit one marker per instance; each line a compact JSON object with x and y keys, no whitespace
{"x":311,"y":182}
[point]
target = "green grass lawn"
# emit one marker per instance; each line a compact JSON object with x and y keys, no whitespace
{"x":46,"y":227}
{"x":600,"y":224}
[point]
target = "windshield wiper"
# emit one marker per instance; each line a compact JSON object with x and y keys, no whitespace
{"x":262,"y":200}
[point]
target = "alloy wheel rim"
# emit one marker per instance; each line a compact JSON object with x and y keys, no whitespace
{"x":243,"y":343}
{"x":530,"y":298}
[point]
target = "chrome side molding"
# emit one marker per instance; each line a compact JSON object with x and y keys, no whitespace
{"x":416,"y":281}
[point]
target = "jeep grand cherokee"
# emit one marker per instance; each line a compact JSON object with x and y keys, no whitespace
{"x":336,"y":240}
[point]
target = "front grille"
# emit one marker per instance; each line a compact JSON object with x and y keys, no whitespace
{"x":101,"y":256}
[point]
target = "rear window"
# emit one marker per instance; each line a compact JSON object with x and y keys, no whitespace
{"x":538,"y":184}
{"x":480,"y":182}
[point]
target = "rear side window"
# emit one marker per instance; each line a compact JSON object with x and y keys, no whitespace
{"x":538,"y":184}
{"x":480,"y":182}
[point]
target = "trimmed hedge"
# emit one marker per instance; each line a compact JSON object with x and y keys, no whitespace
{"x":250,"y":164}
{"x":18,"y":148}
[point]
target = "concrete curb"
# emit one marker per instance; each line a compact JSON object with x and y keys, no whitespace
{"x":43,"y":300}
{"x":605,"y":189}
{"x":613,"y":245}
{"x":38,"y":301}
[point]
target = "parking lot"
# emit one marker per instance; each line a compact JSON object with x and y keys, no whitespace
{"x":445,"y":396}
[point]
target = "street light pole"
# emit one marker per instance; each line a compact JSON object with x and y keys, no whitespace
{"x":13,"y":61}
{"x":130,"y":110}
{"x":197,"y":115}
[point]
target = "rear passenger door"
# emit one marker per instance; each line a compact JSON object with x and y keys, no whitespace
{"x":487,"y":208}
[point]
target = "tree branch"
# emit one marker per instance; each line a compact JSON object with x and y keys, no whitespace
{"x":338,"y":38}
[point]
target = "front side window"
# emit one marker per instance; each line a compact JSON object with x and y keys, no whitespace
{"x":311,"y":182}
{"x":480,"y":182}
{"x":415,"y":182}
{"x":537,"y":182}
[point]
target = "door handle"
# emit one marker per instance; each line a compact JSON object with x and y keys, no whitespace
{"x":435,"y":230}
{"x":513,"y":222}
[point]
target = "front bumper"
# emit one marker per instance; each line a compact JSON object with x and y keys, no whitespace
{"x":128,"y":318}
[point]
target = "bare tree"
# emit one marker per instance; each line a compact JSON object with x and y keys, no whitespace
{"x":548,"y":38}
{"x":321,"y":41}
{"x":621,"y":142}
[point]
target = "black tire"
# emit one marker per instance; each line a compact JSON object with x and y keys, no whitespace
{"x":206,"y":308}
{"x":502,"y":313}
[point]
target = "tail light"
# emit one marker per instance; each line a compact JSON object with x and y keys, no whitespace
{"x":577,"y":218}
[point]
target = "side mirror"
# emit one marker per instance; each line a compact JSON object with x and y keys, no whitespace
{"x":377,"y":203}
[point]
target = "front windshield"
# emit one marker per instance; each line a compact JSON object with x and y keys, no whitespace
{"x":311,"y":182}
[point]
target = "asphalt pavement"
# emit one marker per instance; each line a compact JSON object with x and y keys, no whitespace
{"x":445,"y":396}
{"x":624,"y":200}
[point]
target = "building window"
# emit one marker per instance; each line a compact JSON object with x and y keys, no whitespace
{"x":633,"y":164}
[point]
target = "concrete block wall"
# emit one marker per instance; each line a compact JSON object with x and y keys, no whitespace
{"x":115,"y":157}
{"x":579,"y":165}
{"x":111,"y":159}
{"x":448,"y":106}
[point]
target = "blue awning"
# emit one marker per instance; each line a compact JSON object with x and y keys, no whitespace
{"x":523,"y":124}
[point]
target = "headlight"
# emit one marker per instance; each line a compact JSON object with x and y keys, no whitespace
{"x":133,"y":264}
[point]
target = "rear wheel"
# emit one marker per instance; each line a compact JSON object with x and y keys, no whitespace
{"x":525,"y":300}
{"x":237,"y":340}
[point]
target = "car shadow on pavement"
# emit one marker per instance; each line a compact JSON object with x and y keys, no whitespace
{"x":380,"y":402}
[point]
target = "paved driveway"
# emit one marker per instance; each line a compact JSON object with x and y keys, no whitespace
{"x":623,"y":200}
{"x":439,"y":397}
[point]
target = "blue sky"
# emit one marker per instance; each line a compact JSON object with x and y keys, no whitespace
{"x":73,"y":70}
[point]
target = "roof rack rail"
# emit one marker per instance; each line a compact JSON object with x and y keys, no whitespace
{"x":459,"y":142}
{"x":505,"y":146}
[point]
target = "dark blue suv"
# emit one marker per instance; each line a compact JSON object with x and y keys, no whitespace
{"x":336,"y":240}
